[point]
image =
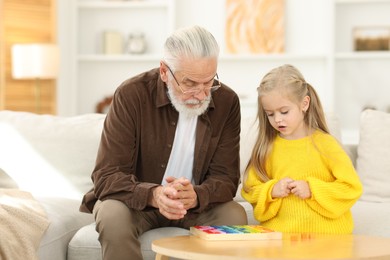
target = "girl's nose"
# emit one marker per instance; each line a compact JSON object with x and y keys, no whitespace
{"x":278,"y":118}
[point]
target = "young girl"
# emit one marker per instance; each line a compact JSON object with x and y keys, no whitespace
{"x":298,"y":179}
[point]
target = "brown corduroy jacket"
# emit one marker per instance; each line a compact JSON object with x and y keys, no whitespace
{"x":137,"y":138}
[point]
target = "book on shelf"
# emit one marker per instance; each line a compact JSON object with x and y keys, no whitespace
{"x":235,"y":232}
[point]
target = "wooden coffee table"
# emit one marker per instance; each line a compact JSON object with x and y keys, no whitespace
{"x":292,"y":246}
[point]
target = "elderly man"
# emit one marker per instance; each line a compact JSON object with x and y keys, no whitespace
{"x":169,"y":151}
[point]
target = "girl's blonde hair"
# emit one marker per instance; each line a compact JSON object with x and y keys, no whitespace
{"x":290,"y":81}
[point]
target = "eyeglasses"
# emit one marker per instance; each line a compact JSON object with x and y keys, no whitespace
{"x":189,"y":88}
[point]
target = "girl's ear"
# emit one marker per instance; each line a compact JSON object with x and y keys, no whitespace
{"x":305,"y":103}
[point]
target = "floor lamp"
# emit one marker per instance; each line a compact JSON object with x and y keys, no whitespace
{"x":35,"y":61}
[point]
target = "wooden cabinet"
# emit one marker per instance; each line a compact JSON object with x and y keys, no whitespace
{"x":25,"y":22}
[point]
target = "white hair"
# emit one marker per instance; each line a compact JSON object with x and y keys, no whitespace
{"x":190,"y":42}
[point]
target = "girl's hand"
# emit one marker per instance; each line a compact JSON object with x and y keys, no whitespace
{"x":281,"y":188}
{"x":301,"y":189}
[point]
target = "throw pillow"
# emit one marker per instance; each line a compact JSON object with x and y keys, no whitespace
{"x":373,"y":161}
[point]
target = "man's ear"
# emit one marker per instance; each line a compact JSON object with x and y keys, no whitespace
{"x":163,"y":72}
{"x":305,"y":103}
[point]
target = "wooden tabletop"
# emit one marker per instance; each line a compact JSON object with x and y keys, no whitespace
{"x":292,"y":246}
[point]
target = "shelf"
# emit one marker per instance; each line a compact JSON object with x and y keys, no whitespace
{"x":324,"y":53}
{"x":153,"y":57}
{"x":154,"y":18}
{"x":121,"y":57}
{"x":382,"y":55}
{"x":361,"y":1}
{"x":271,"y":57}
{"x":124,"y":4}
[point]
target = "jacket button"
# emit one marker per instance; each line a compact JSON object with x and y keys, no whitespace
{"x":163,"y":165}
{"x":169,"y":146}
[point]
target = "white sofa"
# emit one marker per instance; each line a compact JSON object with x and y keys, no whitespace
{"x":52,"y":157}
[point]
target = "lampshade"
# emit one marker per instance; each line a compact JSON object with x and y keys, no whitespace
{"x":31,"y":61}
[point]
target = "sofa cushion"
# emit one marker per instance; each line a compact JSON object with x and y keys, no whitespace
{"x":65,"y":219}
{"x":38,"y":149}
{"x":371,"y":218}
{"x":373,"y":160}
{"x":85,"y":245}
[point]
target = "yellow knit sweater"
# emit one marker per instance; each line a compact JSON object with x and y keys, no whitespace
{"x":320,"y":160}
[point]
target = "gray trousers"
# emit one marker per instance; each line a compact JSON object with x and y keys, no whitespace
{"x":119,"y":227}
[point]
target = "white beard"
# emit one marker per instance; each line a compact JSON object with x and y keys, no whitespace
{"x":182,"y":108}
